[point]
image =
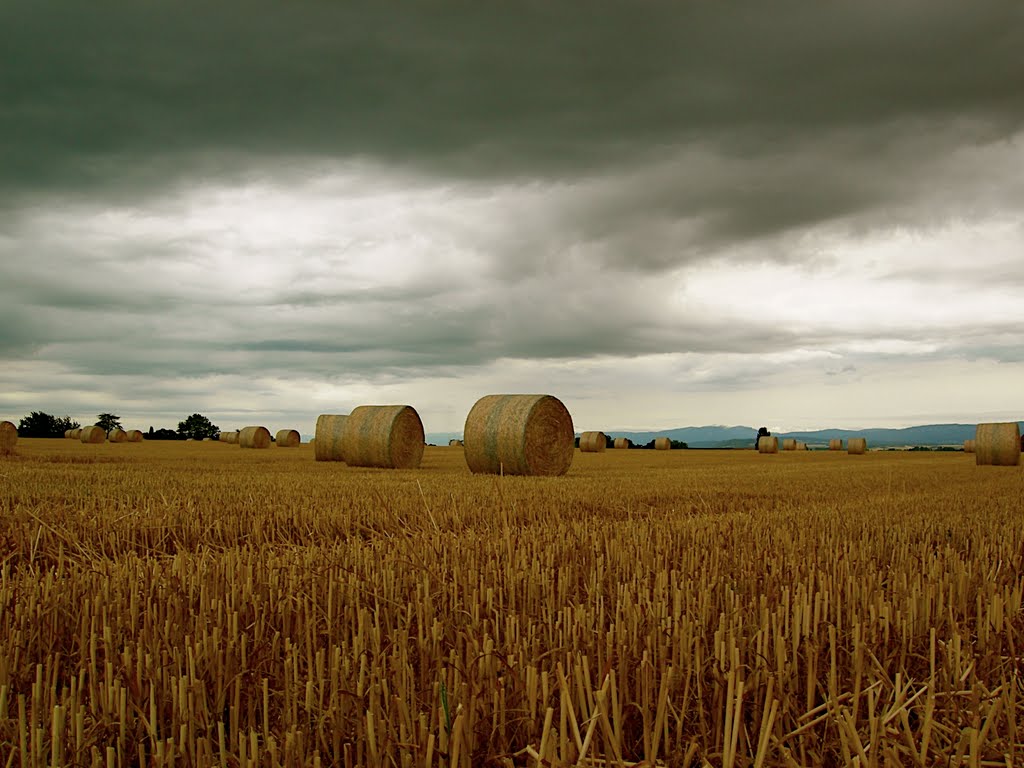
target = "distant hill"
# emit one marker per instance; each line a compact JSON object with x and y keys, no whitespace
{"x":718,"y":436}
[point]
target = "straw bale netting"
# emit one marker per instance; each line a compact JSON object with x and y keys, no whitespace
{"x":117,"y":435}
{"x":8,"y":437}
{"x":856,"y":446}
{"x":329,"y":441}
{"x":93,"y":434}
{"x":254,"y":437}
{"x":997,"y":444}
{"x":134,"y":435}
{"x":969,"y":446}
{"x":662,"y":444}
{"x":519,"y":435}
{"x":789,"y":443}
{"x":593,"y":442}
{"x":768,"y":444}
{"x":835,"y":444}
{"x":621,"y":442}
{"x":454,"y":443}
{"x":387,"y":436}
{"x":287,"y":438}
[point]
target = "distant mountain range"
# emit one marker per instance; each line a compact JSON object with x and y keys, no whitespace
{"x":718,"y":436}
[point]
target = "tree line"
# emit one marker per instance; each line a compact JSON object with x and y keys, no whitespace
{"x":42,"y":424}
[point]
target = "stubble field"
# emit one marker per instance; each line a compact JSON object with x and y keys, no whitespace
{"x":199,"y":604}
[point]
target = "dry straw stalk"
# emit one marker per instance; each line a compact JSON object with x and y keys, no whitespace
{"x":768,"y":444}
{"x":997,"y":444}
{"x":8,"y":438}
{"x":287,"y":438}
{"x":519,"y":435}
{"x":386,"y":436}
{"x":593,"y":442}
{"x":254,"y":437}
{"x":662,"y":444}
{"x":857,"y":446}
{"x":329,"y":440}
{"x":93,"y":434}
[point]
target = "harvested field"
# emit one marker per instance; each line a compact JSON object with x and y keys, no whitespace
{"x":261,"y":608}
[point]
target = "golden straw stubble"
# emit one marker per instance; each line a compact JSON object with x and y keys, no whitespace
{"x":385,"y":436}
{"x":997,"y":445}
{"x":328,"y":442}
{"x":519,"y":435}
{"x":254,"y":437}
{"x":857,"y":446}
{"x":93,"y":434}
{"x":8,"y":437}
{"x":593,"y":442}
{"x":768,"y":444}
{"x":287,"y":438}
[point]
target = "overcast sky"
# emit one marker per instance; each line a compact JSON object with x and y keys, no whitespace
{"x":797,"y":215}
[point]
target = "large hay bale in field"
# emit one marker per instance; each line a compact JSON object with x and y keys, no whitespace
{"x":134,"y":435}
{"x":519,"y":435}
{"x":621,"y":443}
{"x":76,"y":433}
{"x":387,"y":436}
{"x":328,"y":444}
{"x":254,"y":437}
{"x":835,"y":444}
{"x":662,"y":444}
{"x":969,"y":446}
{"x":117,"y":435}
{"x":997,"y":445}
{"x":789,"y":443}
{"x":593,"y":442}
{"x":93,"y":435}
{"x":768,"y":444}
{"x":8,"y":438}
{"x":857,"y":446}
{"x":67,"y":434}
{"x":232,"y":438}
{"x":287,"y":438}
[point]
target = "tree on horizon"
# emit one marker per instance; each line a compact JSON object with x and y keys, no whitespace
{"x":108,"y":421}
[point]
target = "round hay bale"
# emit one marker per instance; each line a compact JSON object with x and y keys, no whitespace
{"x":800,"y":446}
{"x":117,"y":435}
{"x":329,"y":440}
{"x":997,"y":445}
{"x":232,"y":438}
{"x":93,"y":435}
{"x":454,"y":443}
{"x":67,"y":434}
{"x":662,"y":444}
{"x":835,"y":444}
{"x":519,"y":435}
{"x":287,"y":438}
{"x":134,"y":435}
{"x":768,"y":444}
{"x":857,"y":446}
{"x":969,"y":446}
{"x":254,"y":437}
{"x":8,"y":438}
{"x":386,"y":436}
{"x":76,"y":433}
{"x":593,"y":442}
{"x":789,"y":443}
{"x":621,"y":443}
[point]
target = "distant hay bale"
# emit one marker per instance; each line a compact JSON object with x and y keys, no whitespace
{"x":662,"y":444}
{"x":207,"y":439}
{"x":254,"y":437}
{"x":789,"y":444}
{"x":593,"y":442}
{"x":386,"y":436}
{"x":768,"y":444}
{"x":134,"y":435}
{"x":76,"y":433}
{"x":117,"y":435}
{"x":329,"y":440}
{"x":232,"y":438}
{"x":287,"y":438}
{"x":222,"y":437}
{"x":857,"y":446}
{"x":969,"y":446}
{"x":835,"y":444}
{"x":8,"y":438}
{"x":997,"y":445}
{"x":519,"y":435}
{"x":67,"y":434}
{"x":621,"y":442}
{"x":93,"y":435}
{"x":454,"y":443}
{"x":800,"y":446}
